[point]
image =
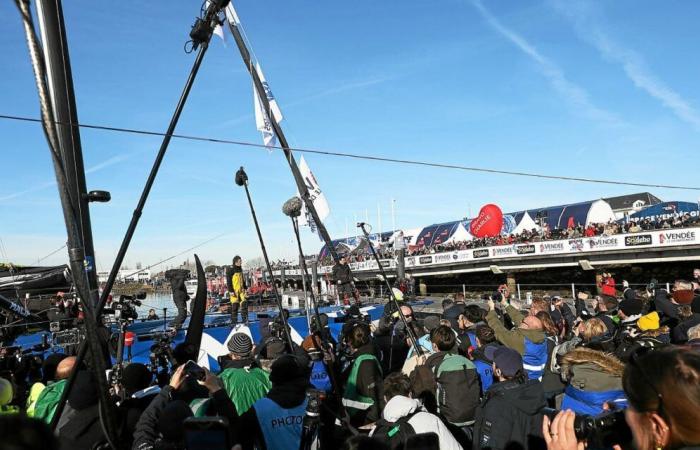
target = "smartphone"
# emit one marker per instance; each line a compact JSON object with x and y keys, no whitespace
{"x":193,"y":370}
{"x":207,"y":433}
{"x":422,"y":441}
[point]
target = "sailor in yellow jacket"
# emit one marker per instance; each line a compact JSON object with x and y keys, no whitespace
{"x":237,"y":288}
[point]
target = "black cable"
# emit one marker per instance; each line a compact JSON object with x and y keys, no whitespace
{"x":365,"y":157}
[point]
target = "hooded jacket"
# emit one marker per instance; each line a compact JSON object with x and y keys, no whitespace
{"x":510,"y":416}
{"x":529,"y":343}
{"x":593,"y":378}
{"x":421,"y":422}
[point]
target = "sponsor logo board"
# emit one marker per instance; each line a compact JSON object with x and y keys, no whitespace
{"x":637,"y":239}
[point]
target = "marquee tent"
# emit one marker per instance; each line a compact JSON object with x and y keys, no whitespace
{"x":526,"y":223}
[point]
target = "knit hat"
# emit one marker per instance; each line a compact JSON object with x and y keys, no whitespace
{"x":649,"y":322}
{"x":240,"y":344}
{"x":431,"y":322}
{"x":508,"y":360}
{"x":136,"y":377}
{"x":288,"y":368}
{"x":631,"y":307}
{"x":6,"y":392}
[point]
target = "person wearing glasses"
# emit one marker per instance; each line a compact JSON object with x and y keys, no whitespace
{"x":663,"y":391}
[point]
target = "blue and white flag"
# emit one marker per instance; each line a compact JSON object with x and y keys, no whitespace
{"x":262,"y":121}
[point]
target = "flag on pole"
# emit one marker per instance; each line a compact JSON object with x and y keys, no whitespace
{"x":315,"y":194}
{"x":262,"y":121}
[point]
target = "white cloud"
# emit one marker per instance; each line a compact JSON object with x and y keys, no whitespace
{"x":589,"y":30}
{"x":571,"y":92}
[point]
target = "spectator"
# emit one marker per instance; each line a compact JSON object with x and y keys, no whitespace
{"x":593,"y":378}
{"x":362,"y":394}
{"x":244,"y":382}
{"x":486,"y":339}
{"x":401,"y":410}
{"x":510,"y":415}
{"x":47,"y":401}
{"x":152,"y":315}
{"x":456,"y":379}
{"x":320,"y":377}
{"x":527,"y":338}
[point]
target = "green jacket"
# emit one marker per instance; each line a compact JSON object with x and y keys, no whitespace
{"x":245,"y":386}
{"x":513,"y":338}
{"x":47,"y":402}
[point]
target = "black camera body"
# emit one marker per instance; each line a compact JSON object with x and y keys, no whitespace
{"x":601,"y":431}
{"x":161,"y":355}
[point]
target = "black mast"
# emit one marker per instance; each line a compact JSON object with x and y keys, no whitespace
{"x":260,"y":89}
{"x":60,"y":84}
{"x":52,"y":68}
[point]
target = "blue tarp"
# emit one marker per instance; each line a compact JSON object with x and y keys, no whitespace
{"x":666,"y":210}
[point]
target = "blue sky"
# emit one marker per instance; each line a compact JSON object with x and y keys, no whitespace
{"x":601,"y":90}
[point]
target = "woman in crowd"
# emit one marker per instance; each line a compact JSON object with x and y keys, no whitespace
{"x":663,"y":390}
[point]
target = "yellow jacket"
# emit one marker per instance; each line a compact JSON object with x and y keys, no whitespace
{"x":238,"y":283}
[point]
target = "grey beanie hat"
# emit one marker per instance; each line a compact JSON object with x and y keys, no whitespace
{"x":240,"y":344}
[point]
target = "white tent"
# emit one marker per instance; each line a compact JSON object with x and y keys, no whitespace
{"x":460,"y":234}
{"x":600,"y":211}
{"x":526,"y":223}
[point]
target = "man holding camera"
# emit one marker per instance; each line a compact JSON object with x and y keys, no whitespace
{"x":237,"y":289}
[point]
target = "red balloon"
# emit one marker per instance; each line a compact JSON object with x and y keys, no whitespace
{"x":488,"y":223}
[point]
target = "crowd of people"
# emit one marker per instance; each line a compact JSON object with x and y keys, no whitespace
{"x":489,"y":374}
{"x":546,"y":234}
{"x":539,"y":234}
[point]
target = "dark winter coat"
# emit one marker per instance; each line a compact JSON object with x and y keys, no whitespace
{"x":510,"y":417}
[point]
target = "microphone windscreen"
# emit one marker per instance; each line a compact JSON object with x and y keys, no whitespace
{"x":292,"y":207}
{"x":241,"y":177}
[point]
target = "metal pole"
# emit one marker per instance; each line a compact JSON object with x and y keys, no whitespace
{"x":409,"y":331}
{"x":464,"y":290}
{"x":573,"y":291}
{"x":60,"y":83}
{"x":139,"y":208}
{"x":278,"y":299}
{"x":519,"y":297}
{"x":68,"y":183}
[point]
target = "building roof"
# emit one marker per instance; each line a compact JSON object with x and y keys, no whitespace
{"x":626,"y":201}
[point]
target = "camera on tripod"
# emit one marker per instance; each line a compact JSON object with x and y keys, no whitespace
{"x":125,"y":307}
{"x":161,"y":355}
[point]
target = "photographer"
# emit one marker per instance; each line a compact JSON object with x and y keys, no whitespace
{"x":663,"y":390}
{"x":275,"y":421}
{"x":190,"y":386}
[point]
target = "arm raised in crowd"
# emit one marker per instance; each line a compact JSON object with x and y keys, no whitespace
{"x":506,"y":337}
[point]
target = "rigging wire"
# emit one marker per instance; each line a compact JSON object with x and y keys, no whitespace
{"x":38,"y":261}
{"x":364,"y":157}
{"x":179,"y":254}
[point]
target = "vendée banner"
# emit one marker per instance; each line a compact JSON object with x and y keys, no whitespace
{"x":649,"y":239}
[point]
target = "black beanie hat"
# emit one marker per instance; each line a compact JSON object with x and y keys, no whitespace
{"x":631,"y":307}
{"x":288,"y":368}
{"x":136,"y":377}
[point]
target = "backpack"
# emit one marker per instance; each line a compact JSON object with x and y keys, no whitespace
{"x":458,"y":387}
{"x":396,"y":433}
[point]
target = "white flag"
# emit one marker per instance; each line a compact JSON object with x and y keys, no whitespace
{"x":262,"y":121}
{"x":315,"y":194}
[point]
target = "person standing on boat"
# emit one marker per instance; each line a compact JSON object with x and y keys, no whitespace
{"x":237,"y":287}
{"x":343,"y":279}
{"x":180,"y":297}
